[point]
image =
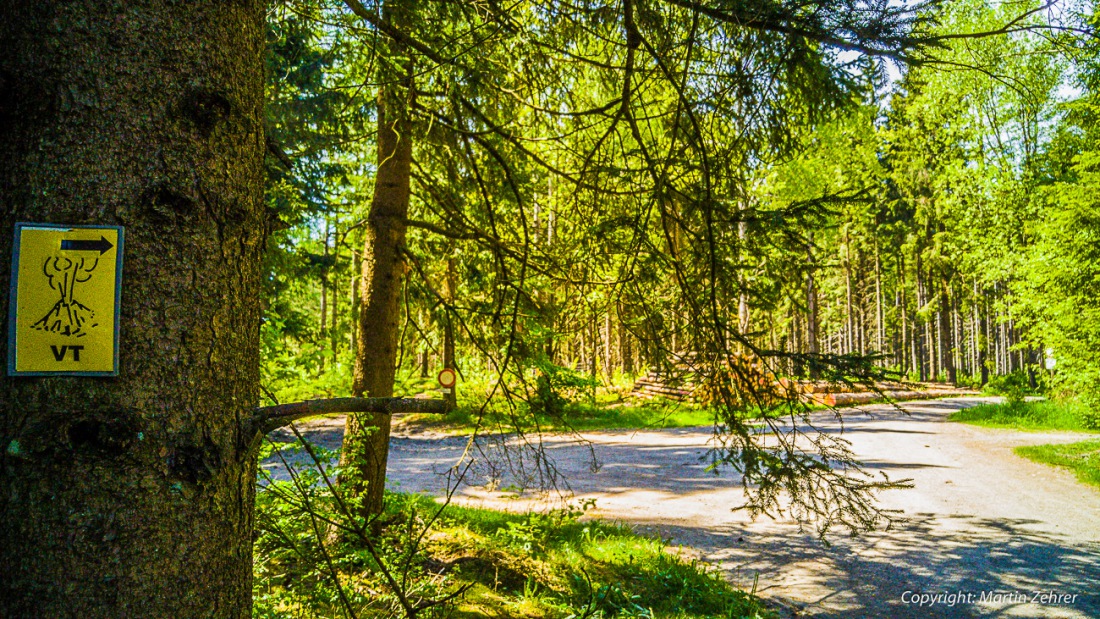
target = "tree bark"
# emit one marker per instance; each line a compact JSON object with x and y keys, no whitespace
{"x":367,"y":436}
{"x":356,"y":299}
{"x":607,"y":355}
{"x":626,"y":353}
{"x":903,"y":308}
{"x":811,"y":311}
{"x":324,"y":282}
{"x":593,"y":347}
{"x":880,"y":312}
{"x":849,"y":341}
{"x":946,"y":335}
{"x":133,"y":496}
{"x":920,"y":328}
{"x":334,"y":298}
{"x":982,"y":337}
{"x":449,"y":361}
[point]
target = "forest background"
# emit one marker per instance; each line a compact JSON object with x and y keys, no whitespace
{"x":569,"y":197}
{"x":926,"y":209}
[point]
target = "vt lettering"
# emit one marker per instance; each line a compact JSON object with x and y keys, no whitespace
{"x":59,"y":353}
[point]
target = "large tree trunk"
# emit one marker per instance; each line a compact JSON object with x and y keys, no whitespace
{"x":133,"y":496}
{"x":367,"y":436}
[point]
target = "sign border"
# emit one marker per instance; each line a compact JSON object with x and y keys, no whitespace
{"x":439,"y":378}
{"x":14,"y":294}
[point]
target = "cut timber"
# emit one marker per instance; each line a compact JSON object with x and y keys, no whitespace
{"x":867,"y":397}
{"x":655,"y":384}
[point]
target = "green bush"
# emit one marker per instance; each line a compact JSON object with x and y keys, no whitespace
{"x":1014,"y":387}
{"x":556,"y":387}
{"x":1089,"y":411}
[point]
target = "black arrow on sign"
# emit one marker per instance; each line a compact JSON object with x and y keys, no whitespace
{"x":102,"y":245}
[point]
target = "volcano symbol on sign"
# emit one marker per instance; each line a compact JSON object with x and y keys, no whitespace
{"x":68,"y":316}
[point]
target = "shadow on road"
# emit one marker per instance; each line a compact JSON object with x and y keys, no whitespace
{"x":996,"y":568}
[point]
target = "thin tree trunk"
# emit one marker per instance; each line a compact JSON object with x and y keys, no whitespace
{"x":423,"y":358}
{"x":743,"y":313}
{"x":958,"y":339}
{"x":367,"y":436}
{"x":984,"y":335}
{"x":449,"y":360}
{"x":133,"y":496}
{"x":994,"y":327}
{"x":939,"y":367}
{"x":356,"y":298}
{"x":920,"y":339}
{"x":797,"y":343}
{"x":880,"y":316}
{"x":860,"y":297}
{"x":324,"y":280}
{"x":811,"y":310}
{"x":947,"y":332}
{"x":849,"y":324}
{"x":607,"y":356}
{"x":899,"y":333}
{"x":593,"y":349}
{"x":975,"y":333}
{"x":904,"y":310}
{"x":626,"y":361}
{"x":334,"y":311}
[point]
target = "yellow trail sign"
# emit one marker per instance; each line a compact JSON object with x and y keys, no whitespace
{"x":65,"y":289}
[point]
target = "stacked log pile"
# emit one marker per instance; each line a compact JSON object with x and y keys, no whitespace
{"x":678,"y":384}
{"x":656,"y":384}
{"x":840,"y":394}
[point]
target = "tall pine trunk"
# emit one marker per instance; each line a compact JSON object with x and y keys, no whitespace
{"x":132,"y":496}
{"x":367,"y":436}
{"x":812,"y":346}
{"x":920,"y":329}
{"x":946,"y":334}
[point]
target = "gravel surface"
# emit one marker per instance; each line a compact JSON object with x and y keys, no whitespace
{"x":985,"y":532}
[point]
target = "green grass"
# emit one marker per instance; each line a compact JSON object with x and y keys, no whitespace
{"x":1082,"y":458}
{"x":1037,"y":415}
{"x":656,"y":413}
{"x":559,"y":566}
{"x":541,"y":565}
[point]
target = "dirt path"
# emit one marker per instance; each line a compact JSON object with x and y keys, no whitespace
{"x":983,"y":524}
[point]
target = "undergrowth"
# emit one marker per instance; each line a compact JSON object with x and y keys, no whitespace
{"x":657,"y":413}
{"x":1033,"y":415}
{"x":421,"y":560}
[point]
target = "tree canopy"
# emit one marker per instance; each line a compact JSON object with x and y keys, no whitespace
{"x":744,"y":191}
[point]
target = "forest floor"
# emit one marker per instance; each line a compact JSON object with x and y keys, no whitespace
{"x":1009,"y":537}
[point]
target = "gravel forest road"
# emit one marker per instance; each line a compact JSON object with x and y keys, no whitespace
{"x":985,"y":532}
